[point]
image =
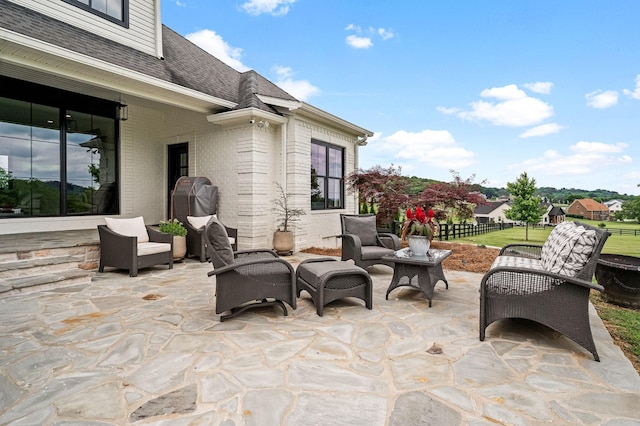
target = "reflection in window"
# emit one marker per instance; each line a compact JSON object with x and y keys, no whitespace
{"x":35,"y":178}
{"x":115,"y":10}
{"x":327,"y":176}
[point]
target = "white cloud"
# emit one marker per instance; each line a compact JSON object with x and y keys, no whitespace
{"x":600,"y":99}
{"x":585,"y":158}
{"x":272,"y":7}
{"x":385,"y":34}
{"x":543,"y":87}
{"x":359,"y":42}
{"x":635,"y":94}
{"x":211,"y":42}
{"x":542,"y":130}
{"x":513,"y":108}
{"x":181,"y":3}
{"x":364,"y":41}
{"x":300,"y":89}
{"x":448,"y":111}
{"x":414,"y":151}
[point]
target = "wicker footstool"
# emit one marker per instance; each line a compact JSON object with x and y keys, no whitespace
{"x":327,"y":279}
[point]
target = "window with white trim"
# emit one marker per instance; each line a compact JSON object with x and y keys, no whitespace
{"x":113,"y":10}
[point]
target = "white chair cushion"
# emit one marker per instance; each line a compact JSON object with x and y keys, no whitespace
{"x":199,"y":222}
{"x":133,"y":227}
{"x":568,"y":249}
{"x":152,"y":248}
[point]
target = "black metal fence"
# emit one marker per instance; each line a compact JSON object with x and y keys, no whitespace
{"x":450,"y":231}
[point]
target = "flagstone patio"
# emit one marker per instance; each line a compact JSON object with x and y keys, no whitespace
{"x":151,"y":350}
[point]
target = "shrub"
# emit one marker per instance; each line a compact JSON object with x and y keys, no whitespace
{"x":174,"y":227}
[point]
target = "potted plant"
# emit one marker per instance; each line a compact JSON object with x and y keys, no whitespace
{"x":283,"y":240}
{"x":418,"y":229}
{"x":179,"y":232}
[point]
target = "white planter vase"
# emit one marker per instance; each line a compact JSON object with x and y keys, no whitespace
{"x":179,"y":247}
{"x":419,"y":244}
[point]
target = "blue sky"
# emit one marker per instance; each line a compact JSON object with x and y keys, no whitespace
{"x":490,"y":88}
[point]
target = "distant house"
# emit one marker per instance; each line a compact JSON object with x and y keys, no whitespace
{"x":492,"y":212}
{"x":589,"y":209}
{"x":614,"y":205}
{"x":556,"y":215}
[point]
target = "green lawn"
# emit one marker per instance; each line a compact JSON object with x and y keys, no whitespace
{"x":616,"y":244}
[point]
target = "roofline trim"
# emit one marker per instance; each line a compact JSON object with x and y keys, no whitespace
{"x":322,"y":115}
{"x":279,"y":102}
{"x":56,"y":51}
{"x":245,"y":113}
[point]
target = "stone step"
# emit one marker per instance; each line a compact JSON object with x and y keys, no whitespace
{"x":38,"y":266}
{"x":46,"y":281}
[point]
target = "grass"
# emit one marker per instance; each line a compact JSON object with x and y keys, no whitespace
{"x":616,"y":244}
{"x":622,"y":323}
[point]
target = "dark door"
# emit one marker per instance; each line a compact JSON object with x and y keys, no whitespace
{"x":178,"y":166}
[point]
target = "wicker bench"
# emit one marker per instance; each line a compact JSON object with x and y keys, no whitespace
{"x":327,"y":279}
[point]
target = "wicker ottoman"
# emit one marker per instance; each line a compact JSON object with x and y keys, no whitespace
{"x":327,"y":279}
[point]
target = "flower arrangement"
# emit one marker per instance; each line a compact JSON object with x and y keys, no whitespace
{"x":174,"y":227}
{"x":419,"y":223}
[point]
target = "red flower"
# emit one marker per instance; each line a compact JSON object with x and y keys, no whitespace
{"x":431,"y":214}
{"x":409,"y":214}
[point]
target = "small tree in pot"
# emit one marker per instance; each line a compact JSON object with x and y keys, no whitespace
{"x":283,"y":237}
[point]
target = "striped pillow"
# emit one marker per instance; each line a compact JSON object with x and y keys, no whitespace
{"x":568,"y":249}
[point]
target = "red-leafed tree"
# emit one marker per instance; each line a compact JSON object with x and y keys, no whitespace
{"x":459,"y":197}
{"x":385,"y":189}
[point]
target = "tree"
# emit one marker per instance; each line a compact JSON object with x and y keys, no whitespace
{"x":525,"y":207}
{"x":459,"y":197}
{"x":385,"y":189}
{"x":631,"y":209}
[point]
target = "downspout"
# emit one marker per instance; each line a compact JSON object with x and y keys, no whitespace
{"x":284,"y":134}
{"x":158,"y":18}
{"x":356,"y":166}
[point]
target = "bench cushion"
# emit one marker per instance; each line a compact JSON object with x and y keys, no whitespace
{"x":145,"y":249}
{"x":568,"y":249}
{"x":199,"y":222}
{"x":133,"y":227}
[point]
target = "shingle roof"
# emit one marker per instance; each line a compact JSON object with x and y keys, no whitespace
{"x":488,"y":207}
{"x":184,"y":63}
{"x":593,"y":205}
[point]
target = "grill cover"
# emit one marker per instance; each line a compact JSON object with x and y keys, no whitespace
{"x":193,"y":196}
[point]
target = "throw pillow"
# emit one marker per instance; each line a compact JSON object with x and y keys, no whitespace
{"x":217,"y":237}
{"x":362,"y":226}
{"x":198,"y":222}
{"x":133,"y":227}
{"x":568,"y":249}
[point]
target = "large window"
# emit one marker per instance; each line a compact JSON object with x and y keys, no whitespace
{"x":114,"y":10}
{"x":57,"y":153}
{"x":327,"y":176}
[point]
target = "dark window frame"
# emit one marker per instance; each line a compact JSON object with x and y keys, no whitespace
{"x":67,"y":101}
{"x":124,"y":22}
{"x":327,"y":178}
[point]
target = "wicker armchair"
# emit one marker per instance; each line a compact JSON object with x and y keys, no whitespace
{"x":196,"y":244}
{"x":129,"y":244}
{"x":549,"y":284}
{"x":362,"y":242}
{"x":247,"y":279}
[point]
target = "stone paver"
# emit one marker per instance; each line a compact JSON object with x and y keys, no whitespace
{"x":150,"y":350}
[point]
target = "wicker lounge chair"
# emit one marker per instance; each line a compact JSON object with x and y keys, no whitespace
{"x":249,"y":278}
{"x":196,"y":245}
{"x":549,"y":284}
{"x":362,"y":242}
{"x":129,"y":244}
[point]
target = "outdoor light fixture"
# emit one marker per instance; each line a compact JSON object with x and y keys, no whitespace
{"x":122,"y":111}
{"x":262,"y":124}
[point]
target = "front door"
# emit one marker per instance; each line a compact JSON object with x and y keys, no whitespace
{"x":178,"y":155}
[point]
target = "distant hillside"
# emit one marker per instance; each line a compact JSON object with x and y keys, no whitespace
{"x":550,"y":194}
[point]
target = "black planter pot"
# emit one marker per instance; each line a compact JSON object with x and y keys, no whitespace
{"x":620,"y":277}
